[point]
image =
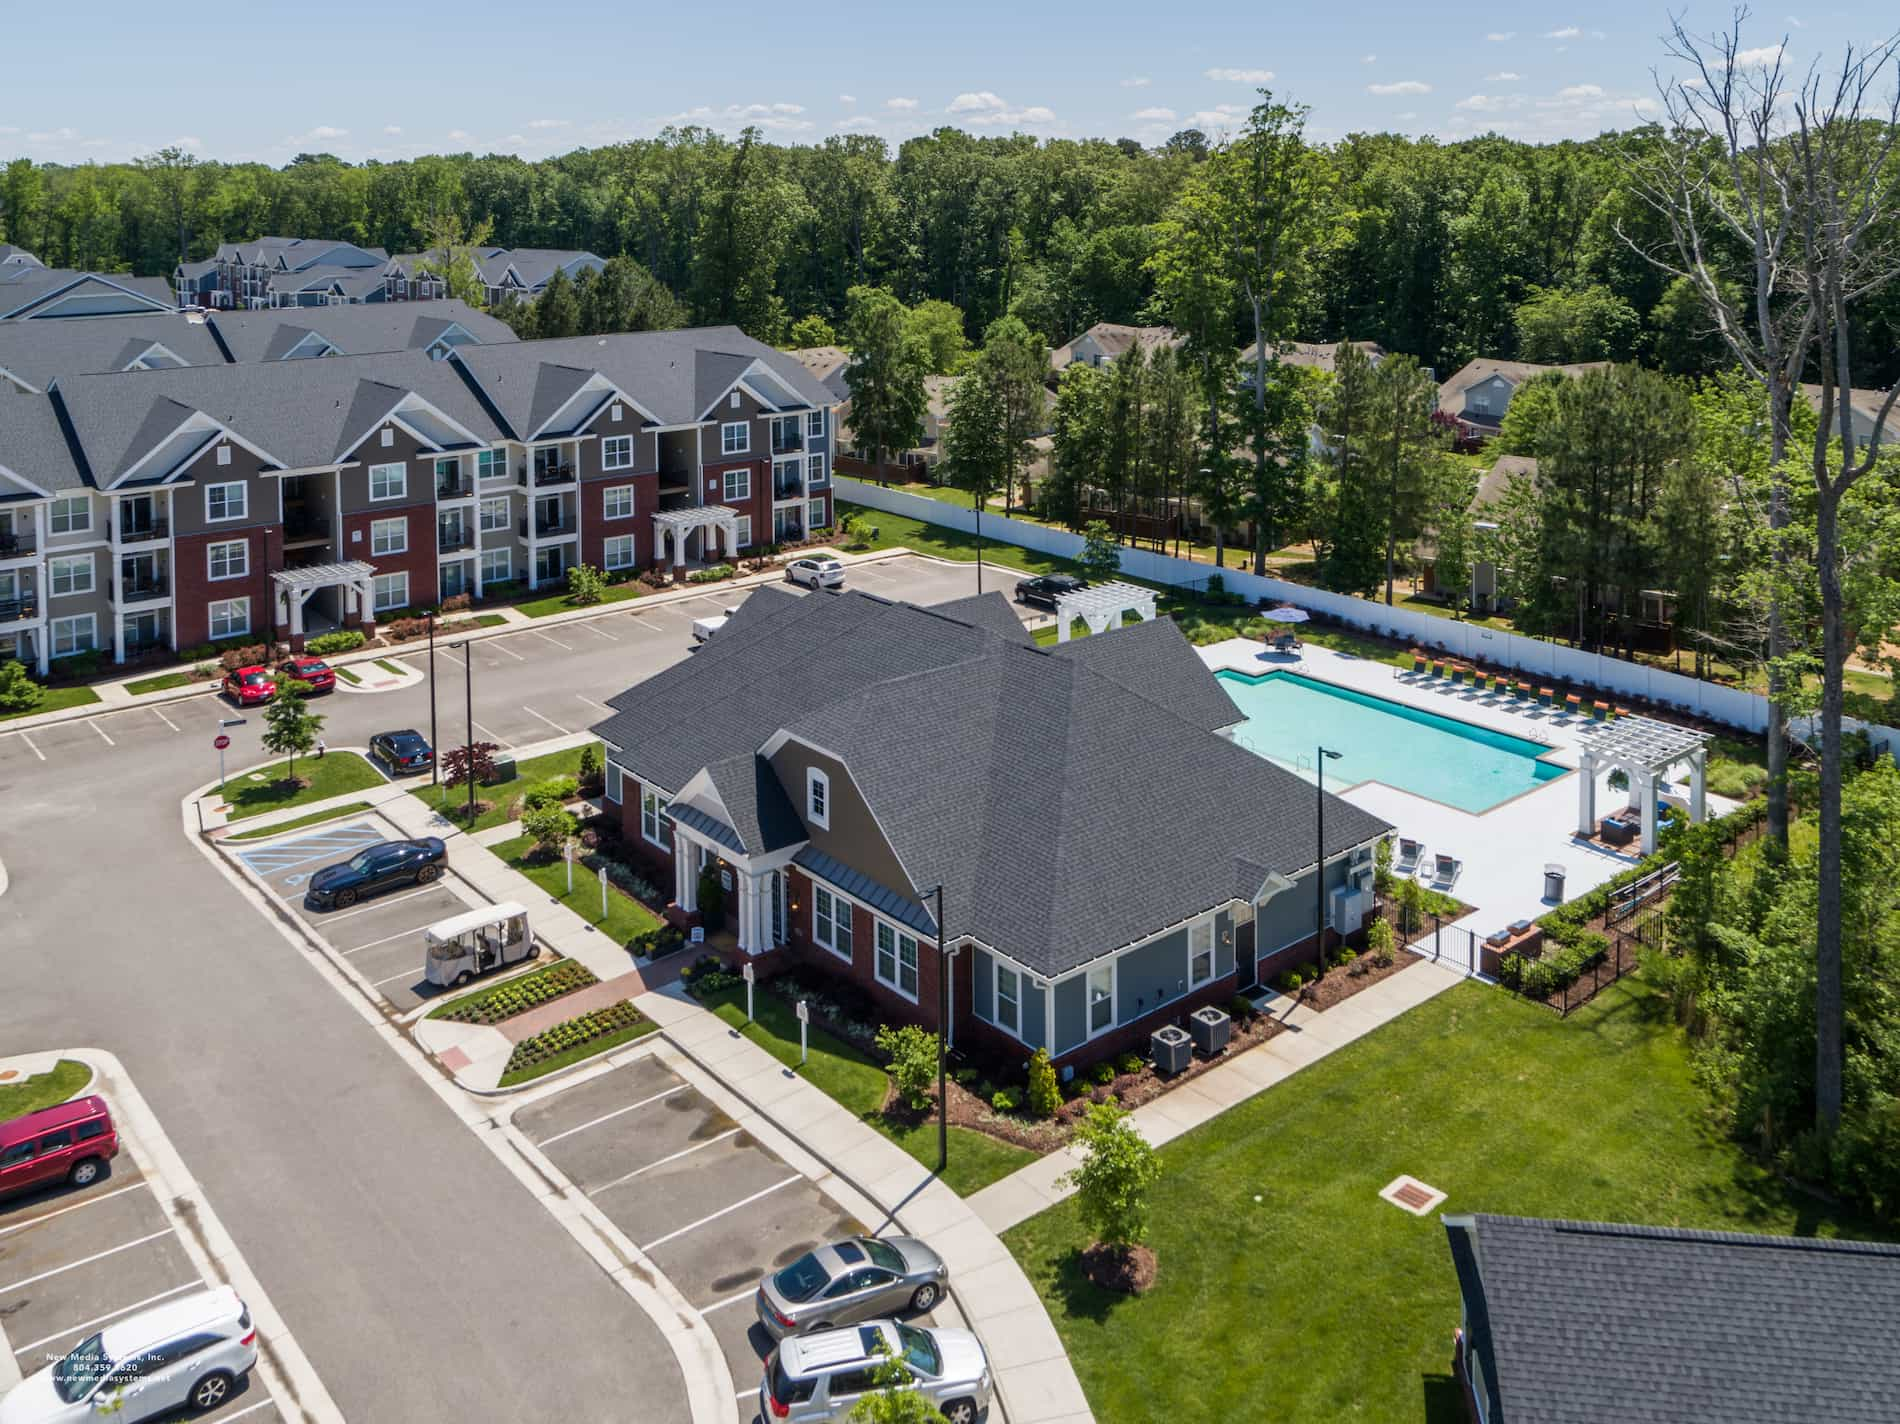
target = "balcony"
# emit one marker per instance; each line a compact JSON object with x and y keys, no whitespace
{"x":545,"y":528}
{"x":788,"y":489}
{"x":305,"y":529}
{"x":145,"y":647}
{"x":783,"y":444}
{"x":17,"y":544}
{"x":23,"y":609}
{"x":140,"y":531}
{"x":140,"y":590}
{"x":542,"y":478}
{"x":461,"y":487}
{"x":453,"y":540}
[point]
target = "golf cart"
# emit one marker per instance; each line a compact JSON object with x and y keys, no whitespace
{"x":475,"y":942}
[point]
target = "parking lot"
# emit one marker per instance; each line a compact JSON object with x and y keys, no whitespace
{"x":73,"y":1261}
{"x":707,"y":1203}
{"x":380,"y":937}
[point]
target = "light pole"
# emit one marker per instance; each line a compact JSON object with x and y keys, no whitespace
{"x":1319,"y":871}
{"x":468,"y":685}
{"x":976,"y":502}
{"x":943,"y":1037}
{"x":435,"y":745}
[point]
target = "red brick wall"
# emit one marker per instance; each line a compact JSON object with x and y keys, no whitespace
{"x":596,"y":528}
{"x":193,"y":589}
{"x":419,"y":560}
{"x":758,"y":504}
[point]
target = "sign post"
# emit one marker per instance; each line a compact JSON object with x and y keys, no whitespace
{"x":220,"y":742}
{"x":567,"y":853}
{"x":746,"y":969}
{"x":603,"y":894}
{"x":804,"y":1029}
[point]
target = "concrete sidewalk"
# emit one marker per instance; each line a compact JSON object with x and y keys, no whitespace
{"x":1312,"y":1036}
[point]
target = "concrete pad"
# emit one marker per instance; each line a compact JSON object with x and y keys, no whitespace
{"x":1017,"y":1337}
{"x":968,"y":1245}
{"x":585,"y":1102}
{"x":687,"y":1192}
{"x":1003,"y":1204}
{"x":712,"y":1265}
{"x":636,"y":1141}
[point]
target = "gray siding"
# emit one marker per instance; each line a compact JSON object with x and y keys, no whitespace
{"x":1035,"y":1029}
{"x":1223,"y":943}
{"x":1071,"y":1012}
{"x":1290,"y":915}
{"x":853,"y":836}
{"x":1152,"y":975}
{"x":982,"y":982}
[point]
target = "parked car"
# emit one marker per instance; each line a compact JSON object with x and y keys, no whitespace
{"x":303,"y":668}
{"x":187,"y":1353}
{"x":704,"y":628}
{"x":374,"y":868}
{"x":823,"y":1376}
{"x":1043,"y":591}
{"x":69,"y":1143}
{"x":859,"y":1278}
{"x":815,"y":573}
{"x":403,"y":751}
{"x":250,"y":686}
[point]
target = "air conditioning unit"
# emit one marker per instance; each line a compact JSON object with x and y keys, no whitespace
{"x":1171,"y":1049}
{"x":1211,"y":1028}
{"x":1348,"y":907}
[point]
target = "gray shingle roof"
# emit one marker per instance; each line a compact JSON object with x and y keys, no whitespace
{"x":1679,"y":1325}
{"x":761,"y":814}
{"x":987,"y":610}
{"x":1154,"y":660}
{"x":355,"y":329}
{"x":34,"y":288}
{"x":33,"y":444}
{"x":41,"y":352}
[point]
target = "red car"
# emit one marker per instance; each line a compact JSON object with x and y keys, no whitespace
{"x":249,"y":686}
{"x":314,"y":671}
{"x":69,"y":1143}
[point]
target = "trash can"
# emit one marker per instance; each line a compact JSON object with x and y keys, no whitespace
{"x":1554,"y":884}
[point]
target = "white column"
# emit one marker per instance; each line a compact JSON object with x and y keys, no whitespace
{"x":1587,"y":795}
{"x":118,"y":623}
{"x":686,"y":863}
{"x":746,"y":887}
{"x":1698,"y":772}
{"x":729,"y":536}
{"x":679,"y":546}
{"x":1062,"y":626}
{"x":1648,"y":782}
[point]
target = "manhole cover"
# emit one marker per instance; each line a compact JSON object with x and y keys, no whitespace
{"x":1410,"y":1194}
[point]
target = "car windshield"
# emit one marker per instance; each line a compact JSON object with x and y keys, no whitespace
{"x":307,"y":668}
{"x":363,"y":862}
{"x":920,"y":1351}
{"x":801,"y":1280}
{"x":883,"y":1255}
{"x":253,"y":679}
{"x":77,"y":1373}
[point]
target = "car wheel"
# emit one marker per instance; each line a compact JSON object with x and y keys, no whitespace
{"x":464,"y":977}
{"x":924,"y":1297}
{"x":960,"y":1411}
{"x":211,"y":1391}
{"x":427,"y":873}
{"x":345,"y":899}
{"x":85,"y":1171}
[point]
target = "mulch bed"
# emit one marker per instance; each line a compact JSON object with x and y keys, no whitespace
{"x":1129,"y":1271}
{"x":1342,"y":983}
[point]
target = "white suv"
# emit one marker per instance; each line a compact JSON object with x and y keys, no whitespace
{"x":187,"y":1352}
{"x":821,"y":1377}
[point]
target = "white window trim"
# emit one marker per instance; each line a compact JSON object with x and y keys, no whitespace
{"x":491,"y":464}
{"x":223,"y":456}
{"x":608,"y":443}
{"x":819,"y":814}
{"x":821,"y":520}
{"x":823,"y":471}
{"x":610,"y":496}
{"x":57,"y":562}
{"x":1111,"y":967}
{"x":91,"y":643}
{"x":744,"y":447}
{"x":742,"y":532}
{"x":610,"y":544}
{"x":656,"y":837}
{"x":376,"y":591}
{"x":726,"y":478}
{"x":814,"y":424}
{"x":486,"y":507}
{"x":615,"y":783}
{"x":244,"y":499}
{"x":242,"y":631}
{"x":838,"y":902}
{"x":898,"y":936}
{"x":78,"y":501}
{"x":1206,"y":922}
{"x":377,"y":525}
{"x":505,"y":557}
{"x":997,"y":970}
{"x":402,"y":482}
{"x":211,"y":560}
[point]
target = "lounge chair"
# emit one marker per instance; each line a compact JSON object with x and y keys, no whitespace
{"x":1286,"y":643}
{"x":1411,"y":855}
{"x":1445,"y":870}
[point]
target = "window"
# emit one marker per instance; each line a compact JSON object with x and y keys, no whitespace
{"x":225,"y":502}
{"x":815,"y":515}
{"x":74,"y":635}
{"x":1200,"y":952}
{"x":831,"y":922}
{"x":229,"y":560}
{"x":388,"y":536}
{"x":494,"y":514}
{"x":613,"y":412}
{"x":815,"y":469}
{"x":617,"y":502}
{"x":392,"y":591}
{"x":734,"y":401}
{"x":91,"y":1128}
{"x":388,"y":437}
{"x":742,"y":531}
{"x":224,"y":454}
{"x":1101,"y":997}
{"x":498,"y":565}
{"x":491,"y":464}
{"x":388,"y":481}
{"x":818,"y":797}
{"x":230,"y":617}
{"x":815,"y":422}
{"x":616,"y":452}
{"x":653,"y":824}
{"x":1009,"y":989}
{"x":448,"y":471}
{"x":614,"y":784}
{"x":71,"y":516}
{"x":617,"y":552}
{"x":897,"y":959}
{"x":738,"y":484}
{"x":69,"y":575}
{"x":735,"y":438}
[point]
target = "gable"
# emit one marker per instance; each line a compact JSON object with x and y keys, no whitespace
{"x":853,"y":836}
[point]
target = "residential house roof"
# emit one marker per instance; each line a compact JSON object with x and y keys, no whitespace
{"x":294,"y":254}
{"x":1319,"y":355}
{"x":1451,"y":392}
{"x":1152,"y":658}
{"x":1866,"y":406}
{"x":354,"y":328}
{"x":11,"y":256}
{"x":35,"y":354}
{"x":826,"y":364}
{"x":1494,"y":481}
{"x":55,"y":293}
{"x":532,"y":265}
{"x":1112,"y":339}
{"x":1678,"y":1325}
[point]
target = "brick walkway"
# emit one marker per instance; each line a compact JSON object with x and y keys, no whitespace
{"x":571,"y":1006}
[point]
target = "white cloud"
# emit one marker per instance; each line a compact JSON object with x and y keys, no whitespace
{"x":977,"y":102}
{"x":1577,"y":93}
{"x":8,"y":129}
{"x":781,"y":117}
{"x":1490,"y":103}
{"x":1137,"y":81}
{"x":857,"y":123}
{"x":1159,"y":112}
{"x":1796,"y":21}
{"x":847,"y":98}
{"x":1403,"y":86}
{"x":514,"y":138}
{"x":188,"y":142}
{"x":549,"y":123}
{"x":1647,"y":105}
{"x":1568,"y":32}
{"x":1763,"y":58}
{"x":392,"y":129}
{"x":459,"y":135}
{"x":1368,"y":59}
{"x":986,"y":109}
{"x":1241,"y":76}
{"x":1407,"y":116}
{"x":904,"y":104}
{"x":1503,"y":76}
{"x":1220,"y":118}
{"x":1500,"y":36}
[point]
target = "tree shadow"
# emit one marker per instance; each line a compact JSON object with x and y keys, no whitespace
{"x":1081,"y":1298}
{"x":1444,"y":1400}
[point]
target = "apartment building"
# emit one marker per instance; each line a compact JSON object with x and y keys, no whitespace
{"x":298,"y":272}
{"x":514,"y":273}
{"x":30,"y":292}
{"x":168,"y":508}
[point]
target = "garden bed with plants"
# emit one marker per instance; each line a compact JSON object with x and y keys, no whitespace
{"x":576,"y":1039}
{"x":517,"y":996}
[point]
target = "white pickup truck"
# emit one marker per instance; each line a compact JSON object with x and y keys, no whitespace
{"x":704,"y":628}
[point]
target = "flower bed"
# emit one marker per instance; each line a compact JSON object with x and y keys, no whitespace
{"x":504,"y":1001}
{"x":574,"y":1040}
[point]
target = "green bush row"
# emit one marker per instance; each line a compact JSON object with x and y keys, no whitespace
{"x":518,"y":995}
{"x":344,"y":640}
{"x":573,"y":1034}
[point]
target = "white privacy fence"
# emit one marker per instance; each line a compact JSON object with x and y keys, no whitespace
{"x":1530,"y":656}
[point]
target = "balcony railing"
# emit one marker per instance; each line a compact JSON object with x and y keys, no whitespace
{"x":461,"y":487}
{"x":13,"y":545}
{"x":449,"y":541}
{"x":543,"y":528}
{"x":144,"y":647}
{"x":787,"y":489}
{"x":15,"y":610}
{"x":136,"y":531}
{"x":135,"y":590}
{"x":554,"y":475}
{"x":304,"y":528}
{"x":786,"y":444}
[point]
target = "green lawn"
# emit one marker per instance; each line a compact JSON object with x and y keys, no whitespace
{"x":561,"y":603}
{"x":606,"y":1043}
{"x":626,"y":916}
{"x":351,"y":678}
{"x":391,"y":667}
{"x":162,"y":683}
{"x":253,"y":793}
{"x":55,"y":699}
{"x":480,"y":620}
{"x":42,"y":1090}
{"x":1288,"y":1289}
{"x":502,"y":794}
{"x":857,"y":1084}
{"x":295,"y":822}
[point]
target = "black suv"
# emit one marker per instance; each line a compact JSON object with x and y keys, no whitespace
{"x":1044,"y":591}
{"x":404,"y":751}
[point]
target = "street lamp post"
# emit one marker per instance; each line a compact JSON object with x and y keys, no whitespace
{"x":1319,"y":869}
{"x":943,"y":1036}
{"x":435,"y":744}
{"x":468,"y":694}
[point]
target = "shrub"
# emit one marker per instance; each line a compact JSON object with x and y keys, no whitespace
{"x":964,"y":1077}
{"x":458,"y":603}
{"x":1044,"y":1094}
{"x":575,"y":1033}
{"x":708,"y":975}
{"x":1130,"y":1063}
{"x":714,"y":573}
{"x":1103,"y":1073}
{"x":246,"y":656}
{"x":1005,"y":1100}
{"x":555,"y":791}
{"x":1382,"y":877}
{"x":593,"y":770}
{"x":402,"y":629}
{"x":1411,"y":903}
{"x":1341,"y":954}
{"x":518,"y":995}
{"x":344,"y":640}
{"x":1380,"y":940}
{"x":551,"y":827}
{"x":584,"y":584}
{"x":656,"y":578}
{"x":18,"y":691}
{"x":663,"y":940}
{"x":913,"y":1061}
{"x":1117,"y":1171}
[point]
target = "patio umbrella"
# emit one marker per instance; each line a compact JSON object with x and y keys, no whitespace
{"x":1285,"y":614}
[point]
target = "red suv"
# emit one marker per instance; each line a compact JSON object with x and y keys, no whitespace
{"x":69,"y":1143}
{"x":249,"y":686}
{"x":314,"y":671}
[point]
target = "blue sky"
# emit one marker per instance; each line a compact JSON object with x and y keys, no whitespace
{"x":393,"y":80}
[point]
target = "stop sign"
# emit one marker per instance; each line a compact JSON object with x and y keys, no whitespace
{"x":221,"y":741}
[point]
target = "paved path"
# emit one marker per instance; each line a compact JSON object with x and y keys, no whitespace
{"x":1312,"y":1036}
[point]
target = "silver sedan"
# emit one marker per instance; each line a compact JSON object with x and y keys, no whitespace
{"x":860,"y":1278}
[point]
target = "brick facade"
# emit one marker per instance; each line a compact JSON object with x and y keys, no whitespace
{"x":194,"y":591}
{"x":596,"y":528}
{"x":417,"y":560}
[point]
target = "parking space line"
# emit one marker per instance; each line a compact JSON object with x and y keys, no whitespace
{"x":498,"y":741}
{"x":706,"y":1310}
{"x":400,"y":934}
{"x":440,"y":653}
{"x":252,"y":1409}
{"x":379,"y":905}
{"x":564,"y":647}
{"x":29,"y":742}
{"x":501,"y":646}
{"x":89,"y":1201}
{"x":549,"y":720}
{"x":723,"y":1211}
{"x":609,"y":1117}
{"x":588,"y":626}
{"x":591,"y":703}
{"x":163,"y":718}
{"x":406,"y":974}
{"x":670,"y":1157}
{"x":93,"y":722}
{"x":109,"y":1315}
{"x":86,"y":1261}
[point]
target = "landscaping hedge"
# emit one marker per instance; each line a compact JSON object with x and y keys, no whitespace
{"x":518,"y":995}
{"x":573,"y":1034}
{"x":344,"y":640}
{"x":663,"y":939}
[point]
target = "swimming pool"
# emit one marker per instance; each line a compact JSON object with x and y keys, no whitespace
{"x":1470,"y":767}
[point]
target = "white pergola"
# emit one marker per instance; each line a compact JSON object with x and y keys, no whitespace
{"x":294,"y":588}
{"x":680,"y":523}
{"x":1644,"y":750}
{"x":1101,"y":606}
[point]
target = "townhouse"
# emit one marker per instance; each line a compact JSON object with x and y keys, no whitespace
{"x":513,"y":273}
{"x":1479,"y":393}
{"x":298,"y":272}
{"x":169,"y":508}
{"x":1108,"y":860}
{"x":29,"y":292}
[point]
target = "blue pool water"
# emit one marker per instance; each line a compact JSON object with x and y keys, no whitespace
{"x":1289,"y":716}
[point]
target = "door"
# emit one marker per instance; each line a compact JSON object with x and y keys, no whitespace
{"x":454,"y":579}
{"x":775,"y":885}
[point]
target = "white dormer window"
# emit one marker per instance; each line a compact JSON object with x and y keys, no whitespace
{"x":734,"y":402}
{"x":613,"y":413}
{"x":818,"y":798}
{"x":224,"y":454}
{"x":389,"y":437}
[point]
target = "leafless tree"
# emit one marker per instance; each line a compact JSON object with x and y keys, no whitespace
{"x":1797,"y":174}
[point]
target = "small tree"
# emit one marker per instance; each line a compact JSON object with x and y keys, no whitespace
{"x":18,"y":691}
{"x":1379,"y":941}
{"x":1411,"y":902}
{"x":1045,"y":1093}
{"x":475,"y":762}
{"x":1382,"y":877}
{"x":551,"y":827}
{"x":1101,"y":556}
{"x":585,"y":584}
{"x":1112,"y":1183}
{"x":592,"y":771}
{"x":290,"y":727}
{"x":893,"y":1397}
{"x":913,"y":1055}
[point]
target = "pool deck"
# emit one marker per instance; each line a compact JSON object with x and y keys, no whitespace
{"x":1503,"y":850}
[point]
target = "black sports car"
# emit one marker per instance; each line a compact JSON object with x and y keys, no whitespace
{"x":1044,"y":591}
{"x":374,"y":868}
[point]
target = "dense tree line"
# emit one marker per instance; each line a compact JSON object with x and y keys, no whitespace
{"x":1441,"y":250}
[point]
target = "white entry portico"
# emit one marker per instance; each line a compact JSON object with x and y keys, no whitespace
{"x":679,"y":524}
{"x":295,"y":587}
{"x":754,"y":886}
